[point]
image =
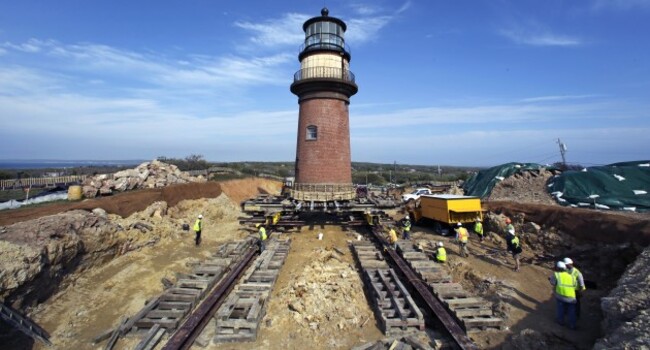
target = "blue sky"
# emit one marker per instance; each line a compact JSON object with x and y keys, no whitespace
{"x":440,"y":82}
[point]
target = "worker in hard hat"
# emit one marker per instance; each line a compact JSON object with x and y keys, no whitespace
{"x":262,"y":236}
{"x":514,"y":246}
{"x":579,"y":280}
{"x":509,"y":224}
{"x":565,"y":294}
{"x":441,"y":253}
{"x":198,"y":227}
{"x":392,"y":238}
{"x":478,"y":229}
{"x":462,"y":236}
{"x":406,"y":227}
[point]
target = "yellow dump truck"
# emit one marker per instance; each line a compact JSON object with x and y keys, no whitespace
{"x":446,"y":210}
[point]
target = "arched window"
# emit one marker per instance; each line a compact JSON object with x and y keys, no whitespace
{"x":312,"y":132}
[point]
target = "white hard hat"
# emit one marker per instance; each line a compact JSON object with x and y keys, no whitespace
{"x":511,"y":230}
{"x":200,"y":216}
{"x":568,"y":261}
{"x":440,"y":244}
{"x":459,"y":224}
{"x":561,"y":265}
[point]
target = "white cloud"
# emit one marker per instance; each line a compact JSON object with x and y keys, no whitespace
{"x":536,"y":37}
{"x":286,"y":30}
{"x":492,"y":147}
{"x":365,"y":29}
{"x":476,"y":116}
{"x":556,"y":98}
{"x":621,"y":4}
{"x":363,"y":9}
{"x":159,"y":70}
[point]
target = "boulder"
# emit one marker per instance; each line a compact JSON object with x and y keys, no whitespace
{"x":126,"y":173}
{"x":89,"y":191}
{"x":531,"y":227}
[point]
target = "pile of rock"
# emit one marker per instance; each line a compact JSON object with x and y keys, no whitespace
{"x":627,"y":309}
{"x":146,"y":175}
{"x":526,"y":186}
{"x":327,"y":297}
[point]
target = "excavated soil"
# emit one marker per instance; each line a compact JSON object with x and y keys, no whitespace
{"x":127,"y":203}
{"x":527,"y":186}
{"x":318,"y":301}
{"x":587,"y":224}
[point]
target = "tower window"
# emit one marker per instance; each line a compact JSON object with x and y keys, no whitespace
{"x":312,"y":132}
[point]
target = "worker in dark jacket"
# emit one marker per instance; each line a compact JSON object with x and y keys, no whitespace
{"x":198,"y":227}
{"x":514,"y":246}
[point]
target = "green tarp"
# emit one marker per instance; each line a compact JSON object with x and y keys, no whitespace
{"x":619,"y":186}
{"x":482,"y":183}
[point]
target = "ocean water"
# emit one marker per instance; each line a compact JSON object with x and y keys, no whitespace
{"x":61,"y":164}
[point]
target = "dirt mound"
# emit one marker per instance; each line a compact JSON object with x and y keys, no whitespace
{"x":586,"y":224}
{"x":127,"y":203}
{"x":242,"y":189}
{"x":526,"y":186}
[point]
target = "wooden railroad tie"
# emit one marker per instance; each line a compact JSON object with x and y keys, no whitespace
{"x":474,"y":313}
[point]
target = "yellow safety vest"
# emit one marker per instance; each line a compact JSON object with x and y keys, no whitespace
{"x":575,"y":272}
{"x":441,"y":254}
{"x":197,"y":225}
{"x":407,"y":225}
{"x":463,"y":235}
{"x":392,"y":235}
{"x":515,"y":241}
{"x":263,"y":233}
{"x":565,"y":284}
{"x":478,"y":228}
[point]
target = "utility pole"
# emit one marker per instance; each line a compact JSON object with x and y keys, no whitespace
{"x":562,"y":150}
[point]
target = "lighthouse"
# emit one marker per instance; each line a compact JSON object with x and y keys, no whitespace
{"x":324,"y":85}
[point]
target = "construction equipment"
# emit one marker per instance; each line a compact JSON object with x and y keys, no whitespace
{"x":446,"y":210}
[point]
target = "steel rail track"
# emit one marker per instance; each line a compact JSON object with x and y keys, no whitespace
{"x":187,"y":333}
{"x":449,"y":323}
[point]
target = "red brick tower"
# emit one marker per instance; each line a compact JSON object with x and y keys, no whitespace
{"x":323,"y":85}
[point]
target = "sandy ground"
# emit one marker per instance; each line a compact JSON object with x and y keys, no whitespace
{"x":290,"y":331}
{"x":527,"y":294}
{"x":99,"y":297}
